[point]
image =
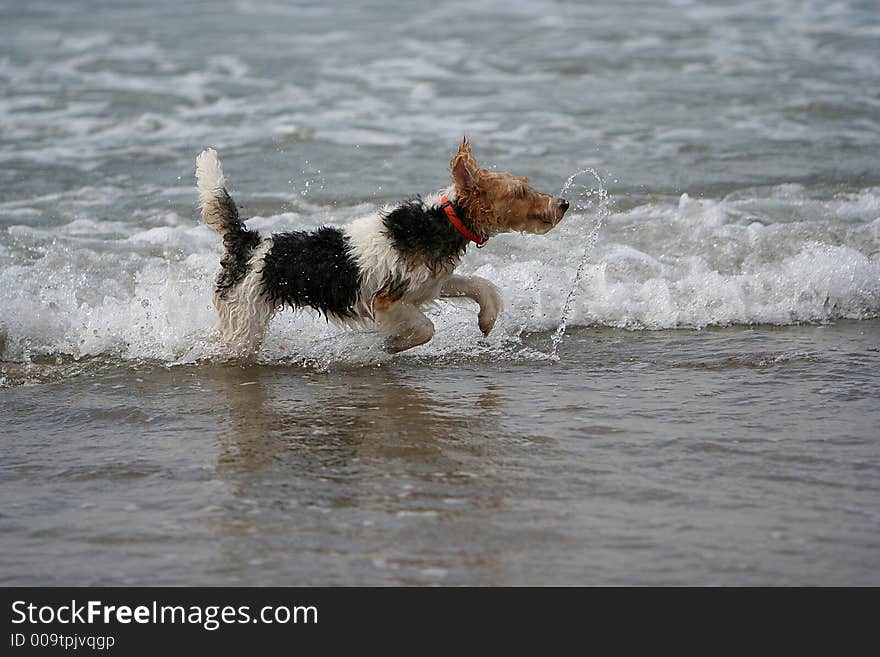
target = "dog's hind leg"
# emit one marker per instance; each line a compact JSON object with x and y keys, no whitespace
{"x":243,"y":308}
{"x":243,"y":323}
{"x":404,"y":325}
{"x":481,"y":291}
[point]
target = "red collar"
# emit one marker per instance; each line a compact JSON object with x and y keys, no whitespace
{"x":447,"y":207}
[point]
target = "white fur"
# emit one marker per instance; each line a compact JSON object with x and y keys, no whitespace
{"x":209,"y":176}
{"x":379,"y":261}
{"x":480,"y":290}
{"x":245,"y":311}
{"x":404,"y":325}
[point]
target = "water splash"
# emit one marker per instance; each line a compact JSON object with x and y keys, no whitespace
{"x":588,"y":198}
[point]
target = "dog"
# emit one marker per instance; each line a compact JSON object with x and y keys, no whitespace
{"x":383,"y":268}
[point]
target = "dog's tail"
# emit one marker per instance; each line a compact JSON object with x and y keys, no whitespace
{"x":218,"y":209}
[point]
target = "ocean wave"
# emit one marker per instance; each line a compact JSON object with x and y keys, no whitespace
{"x":142,"y":289}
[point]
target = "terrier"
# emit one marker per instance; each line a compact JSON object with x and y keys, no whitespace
{"x":382,"y":268}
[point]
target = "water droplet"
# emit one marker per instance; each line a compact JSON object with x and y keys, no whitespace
{"x":584,"y":202}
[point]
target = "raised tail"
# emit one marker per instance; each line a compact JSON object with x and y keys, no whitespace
{"x":218,"y":209}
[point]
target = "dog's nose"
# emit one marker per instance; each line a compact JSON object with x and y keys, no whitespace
{"x":563,"y":204}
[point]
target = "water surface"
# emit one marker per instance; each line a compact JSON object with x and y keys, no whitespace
{"x":711,"y":416}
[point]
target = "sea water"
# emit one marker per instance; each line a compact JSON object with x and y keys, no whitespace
{"x":682,"y":387}
{"x":585,"y":200}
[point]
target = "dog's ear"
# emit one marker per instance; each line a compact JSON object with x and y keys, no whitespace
{"x":464,"y":167}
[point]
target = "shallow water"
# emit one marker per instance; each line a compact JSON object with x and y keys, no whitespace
{"x":723,"y":456}
{"x":711,"y":416}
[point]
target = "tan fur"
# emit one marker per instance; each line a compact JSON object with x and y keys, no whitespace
{"x":501,"y":202}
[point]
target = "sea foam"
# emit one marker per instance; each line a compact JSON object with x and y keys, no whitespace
{"x":136,"y":293}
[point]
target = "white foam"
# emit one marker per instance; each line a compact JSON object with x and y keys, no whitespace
{"x":146,"y":294}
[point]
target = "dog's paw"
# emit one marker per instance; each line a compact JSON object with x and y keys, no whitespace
{"x":394,"y":344}
{"x":487,"y":322}
{"x":490,"y":308}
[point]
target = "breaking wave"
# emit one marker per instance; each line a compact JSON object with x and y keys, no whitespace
{"x":140,"y":288}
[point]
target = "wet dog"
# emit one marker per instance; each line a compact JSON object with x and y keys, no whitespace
{"x":382,"y":268}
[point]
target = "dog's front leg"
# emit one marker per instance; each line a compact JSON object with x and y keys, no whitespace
{"x":481,"y":291}
{"x":404,"y":325}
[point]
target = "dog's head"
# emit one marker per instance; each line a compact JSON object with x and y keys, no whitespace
{"x":501,"y":202}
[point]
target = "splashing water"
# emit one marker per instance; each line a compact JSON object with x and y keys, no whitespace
{"x":588,"y":198}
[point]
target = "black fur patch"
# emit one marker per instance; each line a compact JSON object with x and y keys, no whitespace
{"x":425,"y":234}
{"x":228,"y":210}
{"x":312,"y":269}
{"x":238,"y":243}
